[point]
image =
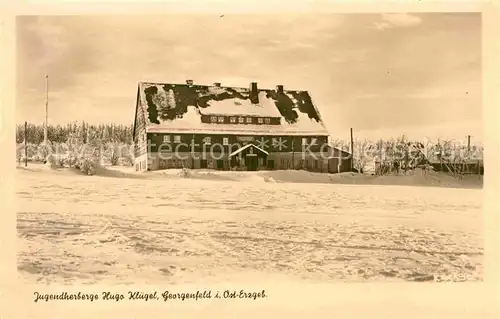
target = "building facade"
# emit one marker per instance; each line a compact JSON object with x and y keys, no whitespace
{"x":226,"y":128}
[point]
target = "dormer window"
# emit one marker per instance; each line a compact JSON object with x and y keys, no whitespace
{"x":220,"y":119}
{"x":177,"y":139}
{"x":249,"y":120}
{"x":267,"y":120}
{"x":166,"y":138}
{"x":260,"y":120}
{"x":213,"y":119}
{"x":232,"y":120}
{"x":241,"y":120}
{"x":207,"y":140}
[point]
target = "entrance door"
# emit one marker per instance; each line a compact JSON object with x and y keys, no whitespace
{"x":220,"y":164}
{"x":203,"y":163}
{"x":251,"y":162}
{"x":270,"y":164}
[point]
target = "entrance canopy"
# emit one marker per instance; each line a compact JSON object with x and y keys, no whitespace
{"x":250,"y":147}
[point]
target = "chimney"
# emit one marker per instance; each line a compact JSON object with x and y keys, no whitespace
{"x":279,"y":88}
{"x":254,"y":93}
{"x":217,"y":84}
{"x":189,"y":82}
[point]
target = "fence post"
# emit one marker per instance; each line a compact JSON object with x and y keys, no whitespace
{"x":352,"y":152}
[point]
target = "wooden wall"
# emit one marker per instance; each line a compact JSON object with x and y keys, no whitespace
{"x":185,"y":145}
{"x":275,"y":161}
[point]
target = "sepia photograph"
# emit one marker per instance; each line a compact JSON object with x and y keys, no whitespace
{"x":178,"y":149}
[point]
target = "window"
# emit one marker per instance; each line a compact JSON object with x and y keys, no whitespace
{"x":166,"y":138}
{"x":225,"y":141}
{"x":304,"y":141}
{"x":232,"y":120}
{"x":313,"y":141}
{"x":213,"y":119}
{"x":220,"y":119}
{"x":241,"y":120}
{"x":177,"y":139}
{"x":267,"y":120}
{"x":249,"y":120}
{"x":260,"y":120}
{"x":208,"y":140}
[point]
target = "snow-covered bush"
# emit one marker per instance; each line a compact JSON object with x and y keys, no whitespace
{"x":88,"y":159}
{"x":88,"y":165}
{"x":70,"y":161}
{"x":54,"y":161}
{"x":117,"y":154}
{"x":184,"y":172}
{"x":127,"y":155}
{"x":44,"y":150}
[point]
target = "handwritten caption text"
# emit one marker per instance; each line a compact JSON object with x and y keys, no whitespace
{"x":151,"y":296}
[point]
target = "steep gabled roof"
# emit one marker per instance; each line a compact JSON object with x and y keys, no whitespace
{"x":178,"y":108}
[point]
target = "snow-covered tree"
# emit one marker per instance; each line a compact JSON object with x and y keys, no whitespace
{"x":171,"y":99}
{"x":164,"y":101}
{"x":160,"y":100}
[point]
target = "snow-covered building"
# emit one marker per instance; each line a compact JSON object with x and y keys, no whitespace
{"x":200,"y":126}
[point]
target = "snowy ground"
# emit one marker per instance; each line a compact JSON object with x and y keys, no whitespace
{"x":162,"y":228}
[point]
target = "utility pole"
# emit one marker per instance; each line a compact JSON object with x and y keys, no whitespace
{"x":45,"y":133}
{"x":352,"y":152}
{"x":25,"y":144}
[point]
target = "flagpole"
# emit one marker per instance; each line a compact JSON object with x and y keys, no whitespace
{"x":45,"y":133}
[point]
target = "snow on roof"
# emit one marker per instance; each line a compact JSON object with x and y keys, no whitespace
{"x":178,"y":108}
{"x":237,"y":106}
{"x":190,"y":123}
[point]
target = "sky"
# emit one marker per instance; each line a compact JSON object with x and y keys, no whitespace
{"x":384,"y":75}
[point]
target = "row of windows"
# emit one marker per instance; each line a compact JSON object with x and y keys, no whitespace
{"x":240,"y":120}
{"x":167,"y":139}
{"x":225,"y":141}
{"x":207,"y":140}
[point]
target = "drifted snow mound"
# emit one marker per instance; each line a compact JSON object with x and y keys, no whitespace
{"x":295,"y":176}
{"x":250,"y":177}
{"x":269,"y":179}
{"x":435,"y":179}
{"x":256,"y":177}
{"x":99,"y":170}
{"x":95,"y":170}
{"x":114,"y":172}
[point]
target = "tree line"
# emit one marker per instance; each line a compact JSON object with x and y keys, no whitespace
{"x":80,"y":130}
